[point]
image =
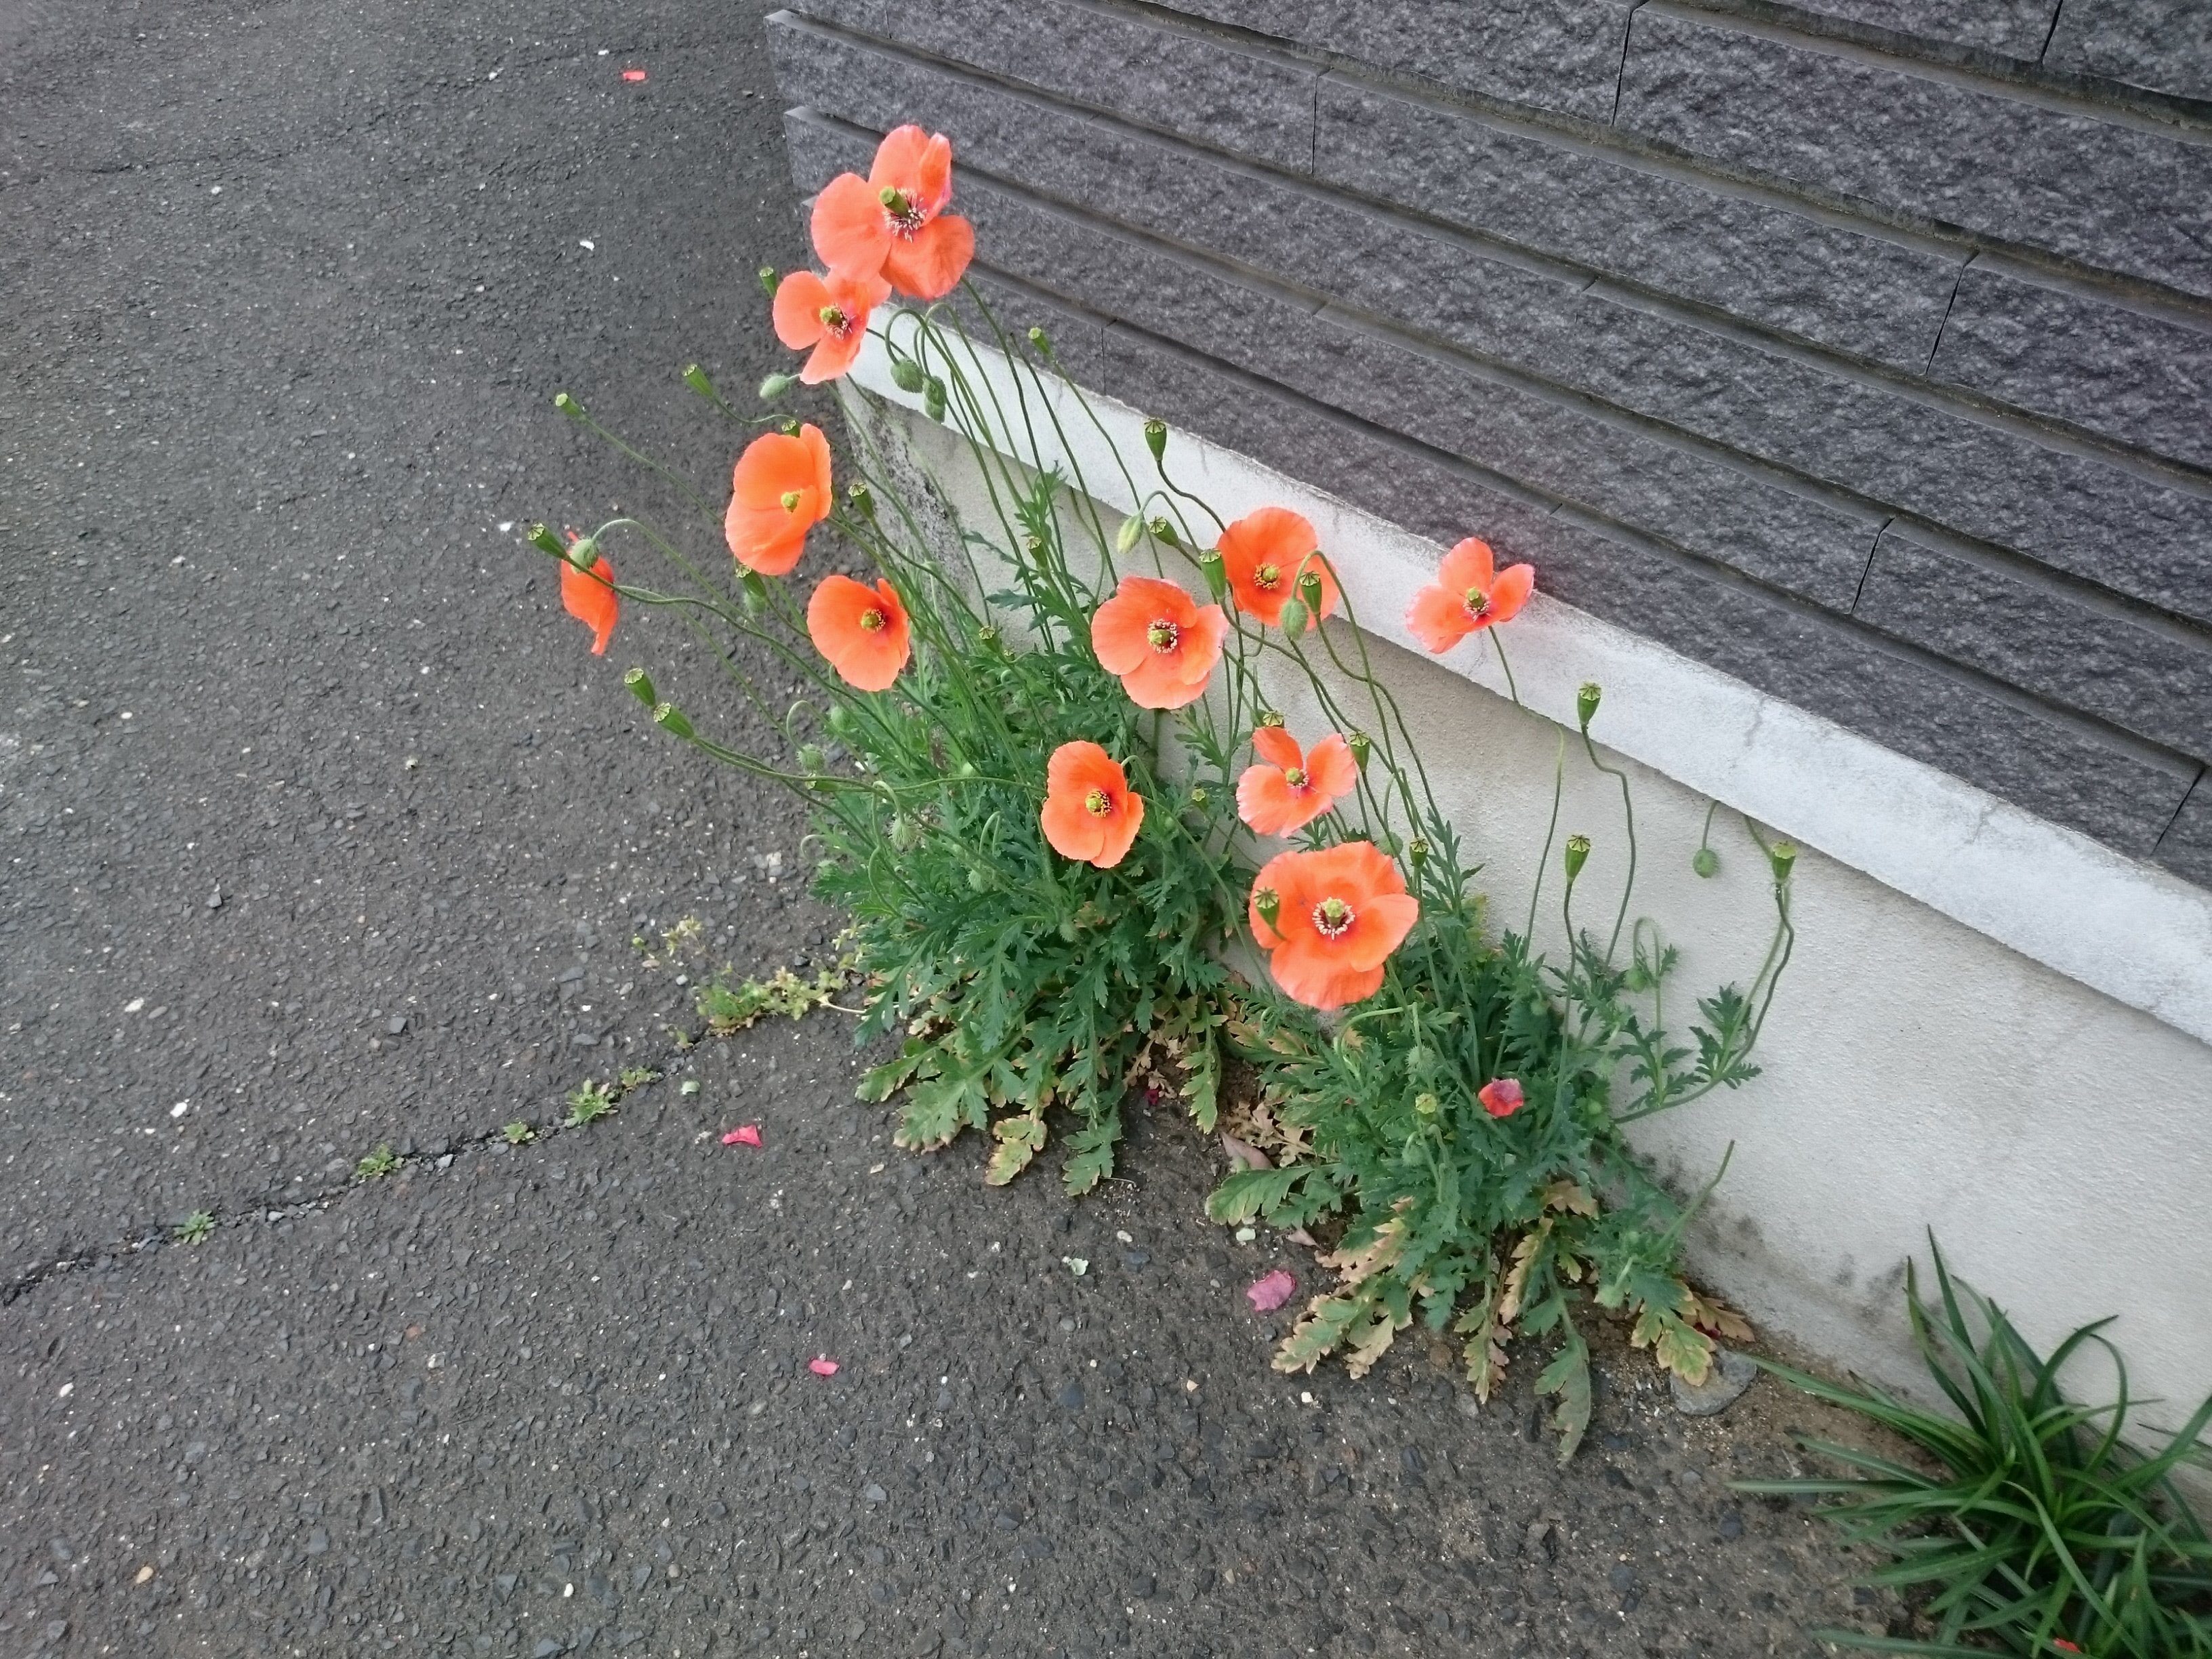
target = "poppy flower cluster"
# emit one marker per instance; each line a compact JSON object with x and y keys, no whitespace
{"x":887,"y":231}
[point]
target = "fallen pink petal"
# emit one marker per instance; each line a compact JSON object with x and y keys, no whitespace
{"x":822,"y":1367}
{"x":1270,"y":1293}
{"x":745,"y":1135}
{"x":633,"y":75}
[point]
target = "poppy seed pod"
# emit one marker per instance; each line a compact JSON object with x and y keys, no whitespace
{"x":909,"y":375}
{"x":768,"y":280}
{"x":1156,"y":438}
{"x":542,"y":538}
{"x":1586,"y":701}
{"x":669,"y":718}
{"x":863,"y":500}
{"x":567,"y":406}
{"x":1199,"y":797}
{"x":695,"y":378}
{"x":1362,"y":746}
{"x":753,"y":591}
{"x":1040,"y":340}
{"x":1416,"y":853}
{"x":1309,"y":589}
{"x":776,"y":385}
{"x":1272,"y":717}
{"x":1217,"y":574}
{"x":1293,"y":617}
{"x":1577,"y":854}
{"x":1269,"y":903}
{"x":1780,"y":858}
{"x":640,"y":686}
{"x":988,"y":637}
{"x":1164,"y":531}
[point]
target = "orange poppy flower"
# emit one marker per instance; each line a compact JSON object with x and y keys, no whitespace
{"x":893,"y":220}
{"x":1502,"y":1097}
{"x":828,"y":313}
{"x":863,"y":630}
{"x":1290,"y":790}
{"x":1264,"y":553}
{"x":1469,"y":594}
{"x":1089,"y":814}
{"x":779,"y":490}
{"x":1161,"y":642}
{"x":1339,"y":915}
{"x":589,"y":596}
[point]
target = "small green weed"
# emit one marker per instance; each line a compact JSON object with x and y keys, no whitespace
{"x":518,"y":1134}
{"x":636,"y":1077}
{"x":728,"y":1007}
{"x":378,"y":1164}
{"x":2046,"y":1532}
{"x":196,"y":1228}
{"x":591,"y":1103}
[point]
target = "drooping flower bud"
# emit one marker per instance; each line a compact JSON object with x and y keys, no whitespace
{"x":768,"y":280}
{"x":1705,"y":861}
{"x":1156,"y":438}
{"x":840,"y":719}
{"x":933,"y":399}
{"x":567,"y":406}
{"x":1269,"y":903}
{"x":582,"y":551}
{"x":1125,"y":536}
{"x":1216,"y":573}
{"x":669,"y":718}
{"x":812,"y":760}
{"x":863,"y":500}
{"x":909,"y":375}
{"x":904,"y":834}
{"x":1780,"y":858}
{"x":1292,"y":617}
{"x":640,"y":686}
{"x":1577,"y":854}
{"x":1361,"y":746}
{"x":776,"y":385}
{"x":1586,"y":701}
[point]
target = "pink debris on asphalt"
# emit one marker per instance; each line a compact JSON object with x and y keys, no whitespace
{"x":745,"y":1135}
{"x":633,"y":75}
{"x":1270,"y":1293}
{"x":822,"y":1366}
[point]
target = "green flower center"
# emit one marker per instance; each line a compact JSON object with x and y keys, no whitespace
{"x":1295,"y":776}
{"x":1163,"y":636}
{"x":835,"y":320}
{"x":874,"y":620}
{"x":1332,"y":918}
{"x":1267,"y":578}
{"x":1478,"y":604}
{"x":1099,"y":804}
{"x":791,"y":500}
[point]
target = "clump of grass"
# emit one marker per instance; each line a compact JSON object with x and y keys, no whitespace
{"x":378,"y":1164}
{"x":196,"y":1228}
{"x":636,"y":1077}
{"x":591,"y":1103}
{"x":2045,"y":1531}
{"x":518,"y":1134}
{"x":729,"y":1005}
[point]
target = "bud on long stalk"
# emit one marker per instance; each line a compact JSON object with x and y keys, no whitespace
{"x":1156,"y":438}
{"x":1577,"y":854}
{"x":933,"y":399}
{"x":1125,"y":536}
{"x":909,"y":375}
{"x":776,"y":385}
{"x":1586,"y":703}
{"x":1293,"y":617}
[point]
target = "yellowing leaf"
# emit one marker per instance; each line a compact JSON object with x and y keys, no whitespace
{"x":1564,"y":1194}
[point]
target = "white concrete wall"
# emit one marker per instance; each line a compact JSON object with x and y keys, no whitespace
{"x":1992,"y":1026}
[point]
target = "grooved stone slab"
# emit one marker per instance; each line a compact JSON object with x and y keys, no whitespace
{"x":2014,"y":28}
{"x":2187,"y":847}
{"x":2140,"y":378}
{"x":1192,"y":84}
{"x":2164,"y":46}
{"x":1851,"y":290}
{"x":2141,"y":678}
{"x":1555,"y":54}
{"x":2072,"y":512}
{"x":2110,"y":194}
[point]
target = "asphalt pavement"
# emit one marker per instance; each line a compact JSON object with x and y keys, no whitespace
{"x":323,"y":832}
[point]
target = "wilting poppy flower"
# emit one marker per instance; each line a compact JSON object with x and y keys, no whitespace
{"x":1161,"y":642}
{"x":1339,"y":914}
{"x":831,"y":314}
{"x":1089,"y":814}
{"x":1289,"y":790}
{"x":1264,"y":553}
{"x":1502,"y":1097}
{"x":1469,"y":594}
{"x":861,"y":630}
{"x":893,"y":220}
{"x":589,"y":596}
{"x":780,"y":491}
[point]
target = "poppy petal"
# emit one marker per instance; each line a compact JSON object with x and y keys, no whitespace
{"x":1438,"y":619}
{"x":589,"y":596}
{"x":850,"y":232}
{"x":1270,"y":1291}
{"x":1510,"y":592}
{"x":799,"y":298}
{"x":929,"y":264}
{"x":1277,"y":747}
{"x":823,"y":1366}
